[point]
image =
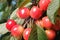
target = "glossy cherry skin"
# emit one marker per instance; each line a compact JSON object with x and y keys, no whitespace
{"x":35,"y":12}
{"x":10,"y":23}
{"x":26,"y":33}
{"x":17,"y":31}
{"x":50,"y":34}
{"x":46,"y":22}
{"x":43,"y":4}
{"x":23,"y":13}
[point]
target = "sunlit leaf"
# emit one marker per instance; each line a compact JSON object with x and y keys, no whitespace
{"x":52,"y":9}
{"x":37,"y":33}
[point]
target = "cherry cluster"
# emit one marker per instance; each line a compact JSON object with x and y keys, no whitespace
{"x":48,"y":27}
{"x":36,"y":12}
{"x":17,"y":30}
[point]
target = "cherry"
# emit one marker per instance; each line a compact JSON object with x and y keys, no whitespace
{"x":50,"y":34}
{"x":17,"y":30}
{"x":43,"y":4}
{"x":46,"y":22}
{"x":23,"y":13}
{"x":39,"y":23}
{"x":26,"y":33}
{"x":57,"y":21}
{"x":56,"y":27}
{"x":57,"y":24}
{"x":35,"y":12}
{"x":10,"y":23}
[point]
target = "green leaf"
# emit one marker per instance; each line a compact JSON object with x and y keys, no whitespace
{"x":59,"y":3}
{"x":52,"y":9}
{"x":5,"y":10}
{"x":1,"y":13}
{"x":22,"y":3}
{"x":5,"y":36}
{"x":3,"y":4}
{"x":6,"y":13}
{"x":3,"y":29}
{"x":19,"y":2}
{"x":14,"y":17}
{"x":3,"y":17}
{"x":37,"y":33}
{"x":13,"y":38}
{"x":28,"y":5}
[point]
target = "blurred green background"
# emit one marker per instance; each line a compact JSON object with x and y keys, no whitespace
{"x":6,"y":8}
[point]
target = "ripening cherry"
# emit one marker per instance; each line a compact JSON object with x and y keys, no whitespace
{"x":10,"y":23}
{"x":35,"y":12}
{"x":39,"y":23}
{"x":43,"y":4}
{"x":26,"y":33}
{"x":46,"y":22}
{"x":17,"y":30}
{"x":23,"y":13}
{"x":50,"y":34}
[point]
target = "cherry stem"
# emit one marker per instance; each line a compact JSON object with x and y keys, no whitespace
{"x":26,"y":22}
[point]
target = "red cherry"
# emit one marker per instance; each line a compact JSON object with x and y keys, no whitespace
{"x":46,"y":22}
{"x":50,"y":34}
{"x":43,"y":4}
{"x":17,"y":30}
{"x":10,"y":23}
{"x":35,"y":12}
{"x":26,"y":33}
{"x":23,"y":13}
{"x":56,"y":27}
{"x":57,"y":21}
